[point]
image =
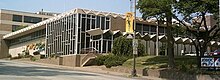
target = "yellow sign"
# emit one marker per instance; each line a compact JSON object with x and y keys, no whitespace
{"x":129,"y":22}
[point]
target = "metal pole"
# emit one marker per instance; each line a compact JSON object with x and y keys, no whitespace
{"x":134,"y":73}
{"x":157,"y":38}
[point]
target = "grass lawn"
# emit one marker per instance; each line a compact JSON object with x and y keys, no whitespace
{"x":155,"y":62}
{"x":183,"y":63}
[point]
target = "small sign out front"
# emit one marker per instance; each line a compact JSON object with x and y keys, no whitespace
{"x":135,"y":45}
{"x":210,"y":62}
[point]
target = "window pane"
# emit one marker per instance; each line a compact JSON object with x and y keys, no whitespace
{"x":153,"y":28}
{"x":17,"y":18}
{"x":139,"y":27}
{"x":98,"y":22}
{"x":83,"y":24}
{"x":146,"y":27}
{"x":93,"y":23}
{"x":88,"y":24}
{"x":161,"y":30}
{"x":30,"y":19}
{"x":103,"y":23}
{"x":107,"y":24}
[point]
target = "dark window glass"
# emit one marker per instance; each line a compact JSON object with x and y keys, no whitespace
{"x":79,"y":20}
{"x":93,"y":23}
{"x":87,"y":41}
{"x":139,"y":27}
{"x":88,"y":24}
{"x":103,"y":23}
{"x":96,"y":37}
{"x":100,"y":45}
{"x":146,"y":27}
{"x":107,"y":18}
{"x":78,"y":35}
{"x":104,"y":46}
{"x":107,"y":24}
{"x":98,"y":22}
{"x":83,"y":15}
{"x":109,"y":46}
{"x":153,"y":28}
{"x":83,"y":24}
{"x":17,"y":18}
{"x":45,"y":18}
{"x":14,"y":27}
{"x":161,"y":30}
{"x":107,"y":36}
{"x":30,"y":19}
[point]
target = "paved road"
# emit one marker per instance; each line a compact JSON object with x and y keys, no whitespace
{"x":10,"y":70}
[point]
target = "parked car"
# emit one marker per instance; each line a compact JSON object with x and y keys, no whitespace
{"x":215,"y":53}
{"x":190,"y":54}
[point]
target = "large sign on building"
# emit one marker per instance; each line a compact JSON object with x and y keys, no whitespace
{"x":129,"y":22}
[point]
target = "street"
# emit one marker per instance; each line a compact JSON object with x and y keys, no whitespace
{"x":10,"y":70}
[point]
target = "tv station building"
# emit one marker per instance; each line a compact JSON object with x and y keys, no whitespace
{"x":71,"y":32}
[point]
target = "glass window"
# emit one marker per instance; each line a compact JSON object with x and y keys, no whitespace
{"x":107,"y":24}
{"x":98,"y":22}
{"x":139,"y":27}
{"x":153,"y":29}
{"x":79,"y":20}
{"x":83,"y":24}
{"x":109,"y":46}
{"x":93,"y":23}
{"x":96,"y":37}
{"x":17,"y":18}
{"x":14,"y":27}
{"x":103,"y":23}
{"x":161,"y":29}
{"x":88,"y":24}
{"x":104,"y":46}
{"x":146,"y":27}
{"x":30,"y":19}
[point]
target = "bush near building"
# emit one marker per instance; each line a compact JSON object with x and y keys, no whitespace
{"x":122,"y":51}
{"x":123,"y":47}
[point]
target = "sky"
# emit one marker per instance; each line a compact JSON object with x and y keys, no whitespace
{"x":60,"y":6}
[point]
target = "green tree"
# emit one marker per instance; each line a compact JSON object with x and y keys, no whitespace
{"x":123,"y":47}
{"x":193,"y":17}
{"x":160,"y":9}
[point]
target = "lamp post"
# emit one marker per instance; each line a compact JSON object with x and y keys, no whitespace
{"x":134,"y":73}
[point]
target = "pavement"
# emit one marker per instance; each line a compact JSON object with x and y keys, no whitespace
{"x":28,"y":70}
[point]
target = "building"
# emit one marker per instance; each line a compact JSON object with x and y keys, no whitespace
{"x":11,"y":21}
{"x":71,"y":32}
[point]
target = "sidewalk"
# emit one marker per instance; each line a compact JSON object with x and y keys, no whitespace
{"x":93,"y":69}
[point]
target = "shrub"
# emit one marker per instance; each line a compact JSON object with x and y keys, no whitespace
{"x":100,"y":60}
{"x":32,"y":58}
{"x":123,"y":47}
{"x":113,"y":60}
{"x":110,"y":60}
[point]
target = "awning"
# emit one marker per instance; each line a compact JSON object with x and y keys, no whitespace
{"x":162,"y":38}
{"x":94,"y":32}
{"x":178,"y":40}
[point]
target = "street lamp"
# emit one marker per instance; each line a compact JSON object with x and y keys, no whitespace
{"x":134,"y":72}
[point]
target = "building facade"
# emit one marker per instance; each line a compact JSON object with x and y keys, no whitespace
{"x":11,"y":21}
{"x":73,"y":31}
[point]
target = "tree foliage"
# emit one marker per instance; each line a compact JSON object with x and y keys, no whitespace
{"x":160,"y":9}
{"x":189,"y":13}
{"x":123,"y":47}
{"x":194,"y":13}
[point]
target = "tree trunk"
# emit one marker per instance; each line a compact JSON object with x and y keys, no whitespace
{"x":170,"y":41}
